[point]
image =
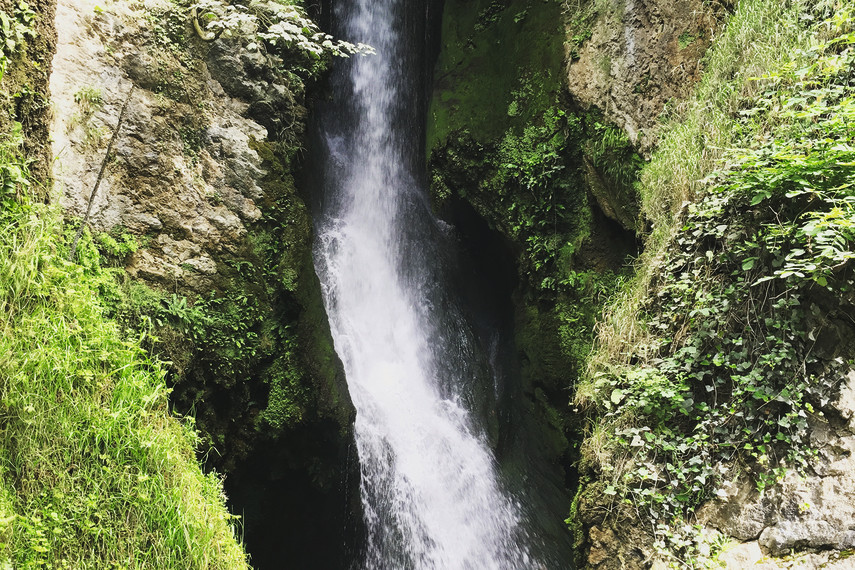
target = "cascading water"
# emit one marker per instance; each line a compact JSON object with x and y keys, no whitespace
{"x":431,"y":494}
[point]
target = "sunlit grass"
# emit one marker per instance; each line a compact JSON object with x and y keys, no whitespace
{"x":94,"y":470}
{"x":694,"y":140}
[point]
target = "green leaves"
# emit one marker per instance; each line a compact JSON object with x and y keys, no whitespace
{"x":284,"y":25}
{"x":14,"y":175}
{"x":748,"y":263}
{"x":728,"y":372}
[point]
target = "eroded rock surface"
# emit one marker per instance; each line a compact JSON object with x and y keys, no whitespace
{"x":183,"y":173}
{"x":201,"y":178}
{"x":814,"y":512}
{"x":631,"y":57}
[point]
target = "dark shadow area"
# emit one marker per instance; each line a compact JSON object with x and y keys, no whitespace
{"x":485,"y":284}
{"x":297,"y":515}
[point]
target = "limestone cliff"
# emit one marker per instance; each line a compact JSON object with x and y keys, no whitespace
{"x":631,"y":58}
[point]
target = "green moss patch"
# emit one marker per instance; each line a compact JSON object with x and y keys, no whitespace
{"x":500,"y":65}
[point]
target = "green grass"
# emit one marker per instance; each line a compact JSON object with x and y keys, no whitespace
{"x":757,"y":38}
{"x":708,"y":356}
{"x":693,"y":143}
{"x":94,"y":470}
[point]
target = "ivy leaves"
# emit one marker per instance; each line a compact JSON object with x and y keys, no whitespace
{"x":13,"y":169}
{"x":14,"y":30}
{"x":729,"y":373}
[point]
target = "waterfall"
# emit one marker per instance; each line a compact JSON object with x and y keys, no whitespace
{"x":431,"y":493}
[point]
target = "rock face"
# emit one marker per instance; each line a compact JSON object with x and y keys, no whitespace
{"x":199,"y":187}
{"x":629,"y":58}
{"x":505,"y":147}
{"x":814,"y":512}
{"x":183,"y":174}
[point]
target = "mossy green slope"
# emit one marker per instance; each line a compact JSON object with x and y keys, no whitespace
{"x":498,"y":59}
{"x":95,"y":472}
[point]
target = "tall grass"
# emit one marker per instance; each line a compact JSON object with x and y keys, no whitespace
{"x":94,"y":470}
{"x":758,"y":36}
{"x":695,"y":139}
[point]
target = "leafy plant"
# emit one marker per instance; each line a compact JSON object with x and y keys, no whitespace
{"x":14,"y":30}
{"x":89,"y":99}
{"x":283,"y":25}
{"x":724,"y":319}
{"x":14,"y":177}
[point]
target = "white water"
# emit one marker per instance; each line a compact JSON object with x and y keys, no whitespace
{"x":430,"y":489}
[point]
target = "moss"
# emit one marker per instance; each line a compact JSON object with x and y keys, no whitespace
{"x":286,"y":400}
{"x":574,"y":522}
{"x":319,"y":353}
{"x":475,"y":87}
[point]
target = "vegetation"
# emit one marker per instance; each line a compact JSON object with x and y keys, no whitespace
{"x":486,"y":94}
{"x":95,"y":472}
{"x":709,"y":360}
{"x":248,"y":344}
{"x":278,"y":25}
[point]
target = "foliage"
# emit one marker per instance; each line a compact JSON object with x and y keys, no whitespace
{"x":612,"y":153}
{"x":117,"y":244}
{"x":89,"y":98}
{"x":96,"y":472}
{"x":230,"y":336}
{"x":724,"y":371}
{"x":580,"y":17}
{"x":697,"y":132}
{"x":525,"y":190}
{"x":13,"y":169}
{"x":271,"y":26}
{"x":475,"y":90}
{"x":14,"y":30}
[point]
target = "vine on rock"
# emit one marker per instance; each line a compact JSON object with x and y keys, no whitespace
{"x":732,"y":373}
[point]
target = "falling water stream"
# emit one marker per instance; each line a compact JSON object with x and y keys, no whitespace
{"x":431,"y":493}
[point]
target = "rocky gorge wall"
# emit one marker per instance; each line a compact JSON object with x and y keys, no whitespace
{"x":198,"y":205}
{"x":631,"y":59}
{"x":540,"y":115}
{"x":803,"y":519}
{"x":546,"y":152}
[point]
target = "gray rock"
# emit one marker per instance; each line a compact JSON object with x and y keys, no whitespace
{"x":195,"y":207}
{"x":637,"y":59}
{"x":846,"y":401}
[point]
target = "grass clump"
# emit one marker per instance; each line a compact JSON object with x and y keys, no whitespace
{"x":94,"y":470}
{"x":711,"y":359}
{"x":695,"y":139}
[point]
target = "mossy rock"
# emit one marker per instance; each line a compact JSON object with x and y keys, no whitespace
{"x":500,"y":65}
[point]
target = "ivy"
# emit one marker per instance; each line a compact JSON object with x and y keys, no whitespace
{"x":13,"y":169}
{"x":730,"y":377}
